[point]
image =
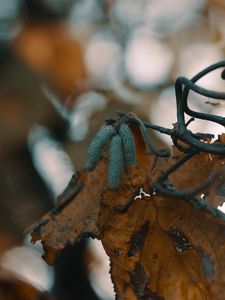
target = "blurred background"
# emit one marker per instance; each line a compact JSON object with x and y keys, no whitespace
{"x":66,"y":66}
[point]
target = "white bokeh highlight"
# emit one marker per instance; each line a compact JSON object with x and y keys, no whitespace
{"x":103,"y":58}
{"x":28,"y":265}
{"x":86,"y":105}
{"x":50,"y":160}
{"x":197,"y":57}
{"x":148,"y":61}
{"x":99,"y":275}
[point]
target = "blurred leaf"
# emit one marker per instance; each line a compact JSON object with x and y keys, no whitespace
{"x":217,"y":3}
{"x":52,"y":51}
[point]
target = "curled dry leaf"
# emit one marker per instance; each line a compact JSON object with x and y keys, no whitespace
{"x":79,"y":213}
{"x":197,"y":170}
{"x":159,"y":247}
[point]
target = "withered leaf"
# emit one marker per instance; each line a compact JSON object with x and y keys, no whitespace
{"x":197,"y":170}
{"x":82,"y":215}
{"x":160,"y":247}
{"x":187,"y":265}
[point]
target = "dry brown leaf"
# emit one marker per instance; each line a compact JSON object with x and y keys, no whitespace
{"x":160,"y":247}
{"x":165,"y":248}
{"x":81,"y":215}
{"x":197,"y":170}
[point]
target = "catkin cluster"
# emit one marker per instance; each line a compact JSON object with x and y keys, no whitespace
{"x":122,"y":152}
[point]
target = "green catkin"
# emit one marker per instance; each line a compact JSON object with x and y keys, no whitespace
{"x":115,"y":162}
{"x":129,"y":149}
{"x":94,"y":153}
